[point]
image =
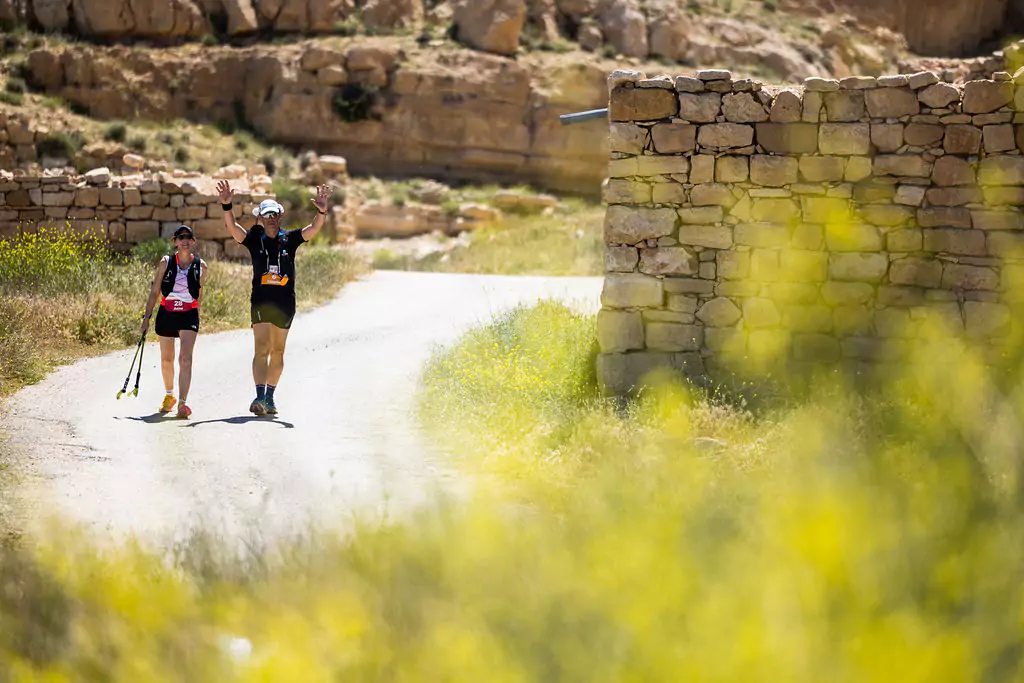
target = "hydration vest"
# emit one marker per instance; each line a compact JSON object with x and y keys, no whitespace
{"x":193,"y":275}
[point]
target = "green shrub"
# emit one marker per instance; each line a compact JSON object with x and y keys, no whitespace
{"x":61,"y":144}
{"x":138,"y":143}
{"x":12,"y":98}
{"x":116,"y":131}
{"x":16,"y":85}
{"x":50,"y":261}
{"x":151,"y":251}
{"x":182,"y":155}
{"x":354,"y":102}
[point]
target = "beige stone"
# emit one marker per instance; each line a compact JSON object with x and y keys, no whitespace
{"x":712,"y":194}
{"x":621,"y":259}
{"x":892,"y":103}
{"x":797,"y":265}
{"x":642,"y":104}
{"x":923,"y":134}
{"x":950,"y":171}
{"x":725,"y":135}
{"x":786,"y":107}
{"x":668,"y":261}
{"x":743,"y":108}
{"x":847,"y":293}
{"x":632,"y":291}
{"x":962,"y":140}
{"x":845,"y":138}
{"x":87,"y":196}
{"x":1001,"y":170}
{"x":631,"y":225}
{"x":887,"y":137}
{"x":663,"y":336}
{"x":701,"y":215}
{"x":858,"y":169}
{"x":734,"y":265}
{"x":954,"y":196}
{"x":982,"y":97}
{"x":628,"y":138}
{"x":822,"y":169}
{"x":761,"y":235}
{"x":773,"y":171}
{"x":619,"y":331}
{"x":662,"y":165}
{"x":910,"y":195}
{"x":999,"y":138}
{"x":702,"y":169}
{"x":959,"y":276}
{"x":843,"y":236}
{"x":904,"y":240}
{"x":812,"y":106}
{"x":626,"y":192}
{"x":669,"y":193}
{"x":765,"y":265}
{"x":775,"y":210}
{"x":939,"y":95}
{"x":917,"y":272}
{"x":137,"y":232}
{"x":984,"y":319}
{"x":807,"y":318}
{"x":944,"y":216}
{"x":1004,"y":196}
{"x":858,"y":267}
{"x":490,"y":25}
{"x":906,"y":165}
{"x":996,"y":220}
{"x":815,"y":348}
{"x":710,"y":236}
{"x":700,"y":108}
{"x":760,"y":313}
{"x":954,"y":241}
{"x":674,"y":138}
{"x":719,"y":312}
{"x":792,"y":138}
{"x":825,"y":210}
{"x":847,"y":105}
{"x":732,"y":169}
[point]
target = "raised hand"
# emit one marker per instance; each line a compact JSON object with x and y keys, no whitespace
{"x":323,"y":197}
{"x":226,"y":193}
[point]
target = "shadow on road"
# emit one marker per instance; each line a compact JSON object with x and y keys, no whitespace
{"x":243,"y":419}
{"x":151,"y":419}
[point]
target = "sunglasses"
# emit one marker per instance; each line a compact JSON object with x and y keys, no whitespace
{"x":271,"y":214}
{"x":184,"y":237}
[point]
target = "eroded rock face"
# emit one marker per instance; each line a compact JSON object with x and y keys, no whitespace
{"x":144,"y":18}
{"x":491,"y":25}
{"x":392,"y":13}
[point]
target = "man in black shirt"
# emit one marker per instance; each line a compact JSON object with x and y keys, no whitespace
{"x":273,"y":284}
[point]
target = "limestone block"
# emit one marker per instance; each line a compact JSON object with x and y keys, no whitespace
{"x":1004,"y":196}
{"x":893,"y":322}
{"x":845,"y":138}
{"x":775,"y":210}
{"x":817,"y":348}
{"x":962,"y":139}
{"x":845,"y":105}
{"x":764,"y":265}
{"x":624,"y":192}
{"x":58,"y":198}
{"x":761,"y":235}
{"x":786,"y":108}
{"x":669,"y":193}
{"x":954,"y":241}
{"x":772,"y":171}
{"x":725,"y":135}
{"x":887,"y":137}
{"x":954,"y":196}
{"x":1001,"y":170}
{"x":701,"y":215}
{"x":132,"y":196}
{"x":905,"y":165}
{"x":996,"y":220}
{"x":743,"y":108}
{"x":892,"y":103}
{"x":621,"y":259}
{"x":689,"y":84}
{"x":950,"y":171}
{"x":910,"y":195}
{"x":623,"y":168}
{"x":825,"y":210}
{"x":944,"y":217}
{"x":858,"y":267}
{"x":807,"y":318}
{"x":732,"y":169}
{"x":632,"y":225}
{"x":798,"y":265}
{"x":939,"y":95}
{"x":822,"y":169}
{"x":668,"y":261}
{"x":917,"y":272}
{"x":664,"y":336}
{"x":628,"y":138}
{"x":847,"y":293}
{"x":662,"y":165}
{"x":111,"y":196}
{"x":858,"y":169}
{"x":760,"y":313}
{"x":166,"y":214}
{"x":87,"y":196}
{"x":904,"y":240}
{"x":982,"y":97}
{"x":813,"y":103}
{"x":922,"y":79}
{"x":984,"y":319}
{"x":852,"y":320}
{"x":923,"y":134}
{"x":632,"y":291}
{"x":619,"y":331}
{"x":719,"y":312}
{"x":138,"y":212}
{"x":844,"y":236}
{"x":710,"y":236}
{"x":712,"y":194}
{"x":642,"y":104}
{"x":733,"y":265}
{"x":137,"y":232}
{"x":791,"y":138}
{"x":999,"y":138}
{"x":700,"y":108}
{"x":702,"y":169}
{"x":960,"y":276}
{"x":210,"y":229}
{"x":674,"y":138}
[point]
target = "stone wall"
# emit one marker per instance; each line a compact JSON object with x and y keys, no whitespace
{"x":128,"y":210}
{"x":812,"y":225}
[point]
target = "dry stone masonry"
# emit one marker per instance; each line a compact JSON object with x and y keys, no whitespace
{"x":818,"y":224}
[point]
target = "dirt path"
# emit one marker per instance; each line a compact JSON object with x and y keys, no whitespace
{"x":346,"y":440}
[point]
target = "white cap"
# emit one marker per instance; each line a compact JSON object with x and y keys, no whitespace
{"x":267,"y":206}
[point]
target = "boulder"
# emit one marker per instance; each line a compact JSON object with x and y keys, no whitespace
{"x":670,"y":30}
{"x":52,"y":15}
{"x":386,"y":14}
{"x":491,"y":25}
{"x":625,"y":27}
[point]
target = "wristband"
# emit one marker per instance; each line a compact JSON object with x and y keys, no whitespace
{"x":322,"y":213}
{"x":226,"y":207}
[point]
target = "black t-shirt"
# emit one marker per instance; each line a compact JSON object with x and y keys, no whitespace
{"x":273,"y":263}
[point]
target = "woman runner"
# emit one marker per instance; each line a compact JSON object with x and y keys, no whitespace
{"x":180,"y":278}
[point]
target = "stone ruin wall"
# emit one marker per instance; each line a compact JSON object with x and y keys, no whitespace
{"x":821,"y":222}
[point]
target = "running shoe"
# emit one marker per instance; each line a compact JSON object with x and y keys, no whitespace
{"x":168,"y":404}
{"x":258,"y":407}
{"x":184,"y":412}
{"x":268,"y":402}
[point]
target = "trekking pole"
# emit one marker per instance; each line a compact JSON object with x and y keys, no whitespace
{"x":583,"y":116}
{"x":138,"y":375}
{"x":128,"y":378}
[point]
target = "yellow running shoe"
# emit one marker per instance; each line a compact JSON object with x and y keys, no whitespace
{"x":168,"y":404}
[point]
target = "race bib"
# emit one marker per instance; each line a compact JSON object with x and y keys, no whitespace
{"x":274,"y":278}
{"x":177,"y":306}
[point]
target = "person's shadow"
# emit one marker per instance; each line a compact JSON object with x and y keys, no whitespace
{"x":243,"y":419}
{"x":149,"y":419}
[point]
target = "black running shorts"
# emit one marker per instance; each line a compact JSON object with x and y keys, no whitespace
{"x":169,"y":324}
{"x":277,"y":313}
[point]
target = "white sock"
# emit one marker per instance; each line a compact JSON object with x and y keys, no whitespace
{"x":171,"y":393}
